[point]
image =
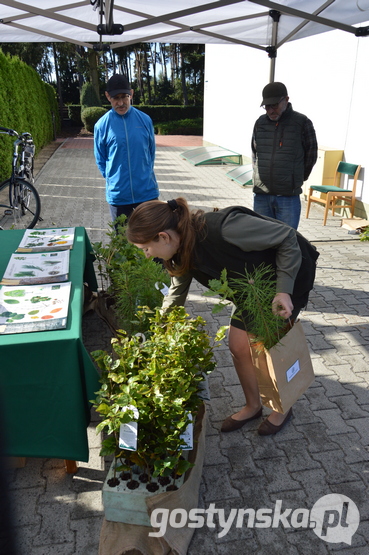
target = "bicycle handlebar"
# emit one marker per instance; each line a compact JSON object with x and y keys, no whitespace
{"x":22,"y":137}
{"x":10,"y":132}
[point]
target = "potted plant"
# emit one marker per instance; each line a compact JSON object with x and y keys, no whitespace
{"x":279,"y":349}
{"x":128,"y":280}
{"x":154,"y":386}
{"x":253,"y":293}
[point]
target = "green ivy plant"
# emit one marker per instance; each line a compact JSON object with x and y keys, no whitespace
{"x":160,"y":377}
{"x":129,"y":278}
{"x":252,"y":293}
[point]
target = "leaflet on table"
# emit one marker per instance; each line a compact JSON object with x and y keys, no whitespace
{"x":34,"y":307}
{"x":40,"y":240}
{"x":37,"y":268}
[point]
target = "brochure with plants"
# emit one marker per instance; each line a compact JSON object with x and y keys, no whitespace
{"x":40,"y":240}
{"x":37,"y":268}
{"x":34,"y":307}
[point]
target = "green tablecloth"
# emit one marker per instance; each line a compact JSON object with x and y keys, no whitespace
{"x":47,"y":378}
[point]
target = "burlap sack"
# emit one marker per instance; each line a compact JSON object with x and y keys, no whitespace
{"x":129,"y":539}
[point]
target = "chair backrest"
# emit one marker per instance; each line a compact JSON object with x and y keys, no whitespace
{"x":351,"y":170}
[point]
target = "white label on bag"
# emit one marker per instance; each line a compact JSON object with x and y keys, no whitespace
{"x":128,"y":432}
{"x":293,"y":370}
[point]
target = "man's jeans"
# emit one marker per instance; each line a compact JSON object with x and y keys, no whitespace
{"x":126,"y":209}
{"x":285,"y":209}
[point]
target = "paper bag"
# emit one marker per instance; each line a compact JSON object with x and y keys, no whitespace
{"x":285,"y":371}
{"x":355,"y":224}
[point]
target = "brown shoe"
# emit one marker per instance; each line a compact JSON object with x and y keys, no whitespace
{"x":266,"y":428}
{"x":230,"y":424}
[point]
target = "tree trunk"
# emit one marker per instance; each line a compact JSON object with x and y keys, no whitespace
{"x":147,"y":64}
{"x":164,"y":60}
{"x":174,"y":64}
{"x":153,"y":58}
{"x":183,"y":79}
{"x":94,"y":76}
{"x":58,"y":84}
{"x":139,"y":74}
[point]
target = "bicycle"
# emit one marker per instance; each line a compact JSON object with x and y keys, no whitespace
{"x":18,"y":195}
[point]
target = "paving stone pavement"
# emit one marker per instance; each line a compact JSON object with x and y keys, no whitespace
{"x":322,"y":451}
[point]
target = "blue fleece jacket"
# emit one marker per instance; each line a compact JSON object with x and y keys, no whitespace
{"x":124,"y":149}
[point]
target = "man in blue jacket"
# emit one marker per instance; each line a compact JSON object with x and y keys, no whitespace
{"x":124,"y":146}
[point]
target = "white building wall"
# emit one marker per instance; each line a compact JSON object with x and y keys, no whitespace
{"x":327,"y":79}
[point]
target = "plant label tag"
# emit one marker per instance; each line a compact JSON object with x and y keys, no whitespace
{"x":164,"y":289}
{"x":187,"y":436}
{"x":128,"y":432}
{"x":293,"y":370}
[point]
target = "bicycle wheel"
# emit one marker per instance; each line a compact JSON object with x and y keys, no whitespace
{"x":22,"y":207}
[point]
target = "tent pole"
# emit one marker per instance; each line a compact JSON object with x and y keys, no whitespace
{"x":272,"y":50}
{"x":272,"y":71}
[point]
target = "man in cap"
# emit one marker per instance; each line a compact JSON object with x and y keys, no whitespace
{"x":284,"y":150}
{"x":124,"y":146}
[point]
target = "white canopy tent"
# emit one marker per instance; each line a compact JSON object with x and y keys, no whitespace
{"x":259,"y":24}
{"x":316,"y":63}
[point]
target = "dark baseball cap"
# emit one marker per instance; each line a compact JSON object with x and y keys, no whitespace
{"x":273,"y":92}
{"x":118,"y":84}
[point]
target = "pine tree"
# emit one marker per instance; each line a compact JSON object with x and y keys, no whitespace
{"x":252,"y":293}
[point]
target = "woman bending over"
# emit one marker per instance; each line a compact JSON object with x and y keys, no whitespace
{"x":198,"y":244}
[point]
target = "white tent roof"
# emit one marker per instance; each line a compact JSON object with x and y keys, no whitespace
{"x":246,"y":22}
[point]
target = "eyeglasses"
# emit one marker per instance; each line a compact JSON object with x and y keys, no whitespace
{"x":273,"y":106}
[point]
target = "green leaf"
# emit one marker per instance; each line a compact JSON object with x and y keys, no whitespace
{"x":103,"y":409}
{"x":221,"y":333}
{"x":183,"y":466}
{"x":101,"y":426}
{"x":107,"y":447}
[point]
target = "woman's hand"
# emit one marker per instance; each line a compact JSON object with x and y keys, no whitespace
{"x":282,"y":305}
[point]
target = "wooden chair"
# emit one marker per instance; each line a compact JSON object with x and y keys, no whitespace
{"x":336,"y":197}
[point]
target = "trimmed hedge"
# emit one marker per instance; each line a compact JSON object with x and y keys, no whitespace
{"x":158,"y":114}
{"x":91,"y":115}
{"x":27,"y":104}
{"x":161,"y":114}
{"x":181,"y":127}
{"x":88,"y":96}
